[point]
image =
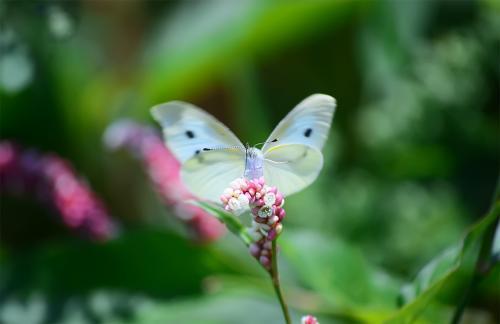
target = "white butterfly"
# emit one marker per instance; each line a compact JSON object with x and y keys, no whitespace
{"x":212,"y":156}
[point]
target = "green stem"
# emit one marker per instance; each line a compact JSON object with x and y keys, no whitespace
{"x":276,"y":283}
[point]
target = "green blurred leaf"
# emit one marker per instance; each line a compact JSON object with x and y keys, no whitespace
{"x":152,"y":262}
{"x":218,"y":309}
{"x":442,"y":270}
{"x":113,"y":307}
{"x":341,"y":275}
{"x":201,"y":39}
{"x":432,"y":272}
{"x":496,"y":242}
{"x":232,"y":223}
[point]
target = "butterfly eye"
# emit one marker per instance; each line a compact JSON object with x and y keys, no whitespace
{"x":189,"y":134}
{"x":308,"y":132}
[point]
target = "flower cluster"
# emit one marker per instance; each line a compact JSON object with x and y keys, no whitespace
{"x":266,"y":205}
{"x":164,"y":171}
{"x":52,"y":180}
{"x":309,"y":319}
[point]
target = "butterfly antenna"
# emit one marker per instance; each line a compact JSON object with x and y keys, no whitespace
{"x":220,"y":148}
{"x":266,"y":142}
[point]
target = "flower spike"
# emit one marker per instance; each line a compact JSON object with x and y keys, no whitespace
{"x":266,"y":206}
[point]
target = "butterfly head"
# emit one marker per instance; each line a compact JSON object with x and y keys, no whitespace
{"x":254,"y":153}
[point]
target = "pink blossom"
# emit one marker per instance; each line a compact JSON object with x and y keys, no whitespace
{"x":53,"y":181}
{"x":163,"y":170}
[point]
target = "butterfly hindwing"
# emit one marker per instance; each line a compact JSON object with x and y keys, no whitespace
{"x":292,"y":167}
{"x":208,"y":174}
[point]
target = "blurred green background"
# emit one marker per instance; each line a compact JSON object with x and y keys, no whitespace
{"x":411,"y":163}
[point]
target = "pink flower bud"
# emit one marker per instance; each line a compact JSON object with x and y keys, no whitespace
{"x":279,"y":199}
{"x":260,"y":220}
{"x":282,"y":214}
{"x":255,"y":250}
{"x":273,"y":219}
{"x":267,"y":245}
{"x":309,"y":319}
{"x":271,"y":235}
{"x":264,"y":260}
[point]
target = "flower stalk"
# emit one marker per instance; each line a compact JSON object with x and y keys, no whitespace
{"x":276,"y":283}
{"x":266,"y":206}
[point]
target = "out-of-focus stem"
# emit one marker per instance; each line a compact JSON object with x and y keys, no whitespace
{"x":276,"y":283}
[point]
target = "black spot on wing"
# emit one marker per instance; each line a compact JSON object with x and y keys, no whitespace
{"x":308,"y":132}
{"x":197,"y":152}
{"x":189,"y":134}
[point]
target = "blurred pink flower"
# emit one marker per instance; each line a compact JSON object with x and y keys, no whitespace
{"x":164,"y":171}
{"x":52,"y":180}
{"x":309,"y":319}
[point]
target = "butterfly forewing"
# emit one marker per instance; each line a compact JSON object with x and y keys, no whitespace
{"x":211,"y":155}
{"x":189,"y":130}
{"x":292,"y":153}
{"x":308,"y":123}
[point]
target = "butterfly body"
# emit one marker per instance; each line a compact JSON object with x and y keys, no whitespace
{"x":212,"y":156}
{"x":254,"y":163}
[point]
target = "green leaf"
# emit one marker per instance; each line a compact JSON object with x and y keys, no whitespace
{"x":341,"y":275}
{"x":441,"y":271}
{"x":232,"y":223}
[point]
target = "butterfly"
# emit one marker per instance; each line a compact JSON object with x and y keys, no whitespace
{"x":212,"y":156}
